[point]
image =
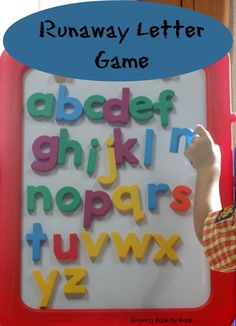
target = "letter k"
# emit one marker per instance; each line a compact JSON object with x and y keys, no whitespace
{"x":123,"y":150}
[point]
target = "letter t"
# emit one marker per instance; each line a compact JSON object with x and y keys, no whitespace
{"x":36,"y":239}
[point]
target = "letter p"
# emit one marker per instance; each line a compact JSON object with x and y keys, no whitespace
{"x":97,"y":205}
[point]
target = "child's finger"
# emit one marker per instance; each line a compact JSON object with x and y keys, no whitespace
{"x":195,"y":138}
{"x":202,"y":132}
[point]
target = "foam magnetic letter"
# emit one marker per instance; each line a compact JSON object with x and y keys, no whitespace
{"x":126,"y":199}
{"x":92,"y":212}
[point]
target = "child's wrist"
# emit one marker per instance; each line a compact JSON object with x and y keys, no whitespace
{"x":212,"y":170}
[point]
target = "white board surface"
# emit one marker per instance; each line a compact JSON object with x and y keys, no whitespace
{"x":112,"y":283}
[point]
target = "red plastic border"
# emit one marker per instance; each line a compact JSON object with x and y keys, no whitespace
{"x":220,"y":309}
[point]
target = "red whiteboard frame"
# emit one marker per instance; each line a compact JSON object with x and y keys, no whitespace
{"x":220,"y":309}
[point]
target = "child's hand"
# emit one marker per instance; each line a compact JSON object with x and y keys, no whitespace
{"x":203,"y":153}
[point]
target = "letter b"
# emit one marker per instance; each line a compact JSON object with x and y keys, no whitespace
{"x":68,"y":108}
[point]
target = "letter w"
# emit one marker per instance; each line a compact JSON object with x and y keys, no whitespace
{"x":98,"y":31}
{"x":131,"y":243}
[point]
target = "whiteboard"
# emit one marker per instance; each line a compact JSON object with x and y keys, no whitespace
{"x":110,"y":282}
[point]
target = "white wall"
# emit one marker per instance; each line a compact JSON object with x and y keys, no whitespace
{"x":13,"y":10}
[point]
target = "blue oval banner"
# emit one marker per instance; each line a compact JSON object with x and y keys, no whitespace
{"x":117,"y":40}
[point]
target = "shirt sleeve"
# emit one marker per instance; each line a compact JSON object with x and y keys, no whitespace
{"x":219,"y":239}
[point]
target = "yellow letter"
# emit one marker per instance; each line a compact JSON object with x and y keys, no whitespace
{"x":46,"y":286}
{"x":120,"y":201}
{"x":75,"y":275}
{"x":131,"y":243}
{"x":112,"y":175}
{"x":166,"y":247}
{"x":94,"y":250}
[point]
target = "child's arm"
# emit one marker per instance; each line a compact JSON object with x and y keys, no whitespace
{"x":205,"y":157}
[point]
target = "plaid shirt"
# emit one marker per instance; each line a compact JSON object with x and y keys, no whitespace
{"x":219,"y":239}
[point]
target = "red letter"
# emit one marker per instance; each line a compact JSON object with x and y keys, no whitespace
{"x":181,"y":195}
{"x":71,"y":253}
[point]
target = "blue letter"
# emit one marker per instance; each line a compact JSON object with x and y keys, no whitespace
{"x":175,"y":138}
{"x":153,"y":189}
{"x":68,"y":108}
{"x":148,"y":147}
{"x":36,"y":239}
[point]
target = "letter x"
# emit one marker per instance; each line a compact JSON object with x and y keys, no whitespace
{"x":165,"y":247}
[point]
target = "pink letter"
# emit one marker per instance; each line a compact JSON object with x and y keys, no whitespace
{"x":45,"y":150}
{"x":115,"y":103}
{"x":91,"y":210}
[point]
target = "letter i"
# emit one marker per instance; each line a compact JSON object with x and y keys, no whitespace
{"x":148,"y":151}
{"x":92,"y":159}
{"x":112,"y":170}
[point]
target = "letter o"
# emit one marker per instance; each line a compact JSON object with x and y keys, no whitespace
{"x":73,"y":204}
